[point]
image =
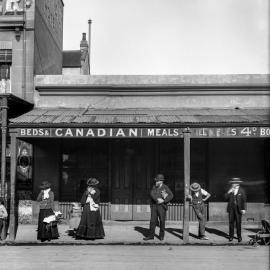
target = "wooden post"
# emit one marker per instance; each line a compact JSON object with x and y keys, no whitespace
{"x":110,"y":177}
{"x":186,"y":133}
{"x":13,"y":163}
{"x":4,"y":109}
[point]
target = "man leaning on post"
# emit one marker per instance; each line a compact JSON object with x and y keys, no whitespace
{"x":197,"y":197}
{"x":160,"y":196}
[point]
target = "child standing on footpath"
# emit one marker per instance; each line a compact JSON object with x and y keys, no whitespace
{"x":3,"y":215}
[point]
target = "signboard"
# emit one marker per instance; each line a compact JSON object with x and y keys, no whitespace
{"x":208,"y":132}
{"x":101,"y":132}
{"x":230,"y":132}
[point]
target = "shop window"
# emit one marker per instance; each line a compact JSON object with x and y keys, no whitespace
{"x":80,"y":161}
{"x":24,"y":171}
{"x":171,"y":162}
{"x":12,"y":6}
{"x":4,"y":71}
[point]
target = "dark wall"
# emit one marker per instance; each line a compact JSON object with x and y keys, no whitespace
{"x":242,"y":158}
{"x":68,"y":164}
{"x":171,"y":164}
{"x":46,"y":165}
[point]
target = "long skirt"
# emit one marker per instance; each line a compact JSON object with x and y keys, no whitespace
{"x":90,"y":226}
{"x":46,"y":231}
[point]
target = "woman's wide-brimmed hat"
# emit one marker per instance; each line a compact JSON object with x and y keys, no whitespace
{"x":159,"y":177}
{"x":92,"y":182}
{"x":235,"y":180}
{"x":45,"y":185}
{"x":195,"y":187}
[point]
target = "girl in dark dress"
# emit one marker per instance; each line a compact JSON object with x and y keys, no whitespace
{"x":91,"y":226}
{"x":46,"y":199}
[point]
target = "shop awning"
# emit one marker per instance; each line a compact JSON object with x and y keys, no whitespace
{"x":82,"y":116}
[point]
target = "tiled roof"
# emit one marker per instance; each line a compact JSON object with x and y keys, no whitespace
{"x":136,"y":116}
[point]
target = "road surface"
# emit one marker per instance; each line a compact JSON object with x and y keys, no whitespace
{"x":114,"y":257}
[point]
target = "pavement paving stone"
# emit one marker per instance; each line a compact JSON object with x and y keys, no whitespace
{"x":132,"y":233}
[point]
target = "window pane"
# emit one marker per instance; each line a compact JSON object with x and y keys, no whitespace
{"x":5,"y":56}
{"x":4,"y":71}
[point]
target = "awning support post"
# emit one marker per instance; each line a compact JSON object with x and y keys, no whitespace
{"x":186,"y":133}
{"x":13,"y":164}
{"x":4,"y":108}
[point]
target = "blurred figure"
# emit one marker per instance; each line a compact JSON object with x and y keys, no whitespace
{"x":236,"y":197}
{"x":3,"y":216}
{"x":75,"y":216}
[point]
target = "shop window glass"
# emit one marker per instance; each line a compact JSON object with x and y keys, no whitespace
{"x":80,"y":161}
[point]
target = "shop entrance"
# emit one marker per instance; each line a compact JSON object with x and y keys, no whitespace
{"x":133,"y":168}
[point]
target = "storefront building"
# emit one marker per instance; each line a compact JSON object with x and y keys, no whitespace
{"x":124,"y":130}
{"x":31,"y":37}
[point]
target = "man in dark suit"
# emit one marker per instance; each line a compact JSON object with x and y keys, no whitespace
{"x":160,"y":196}
{"x":236,"y":197}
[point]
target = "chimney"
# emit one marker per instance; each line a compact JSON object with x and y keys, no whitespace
{"x":84,"y":44}
{"x":89,"y":41}
{"x":85,"y":70}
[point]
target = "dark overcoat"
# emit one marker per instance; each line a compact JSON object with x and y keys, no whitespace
{"x":241,"y":200}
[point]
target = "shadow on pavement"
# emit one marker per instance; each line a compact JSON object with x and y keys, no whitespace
{"x":179,"y":233}
{"x":143,"y":231}
{"x":217,"y":232}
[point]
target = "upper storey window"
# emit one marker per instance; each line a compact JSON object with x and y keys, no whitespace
{"x":11,"y":6}
{"x":5,"y":67}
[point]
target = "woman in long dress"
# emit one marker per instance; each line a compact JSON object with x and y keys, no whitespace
{"x":91,"y":226}
{"x":46,"y":204}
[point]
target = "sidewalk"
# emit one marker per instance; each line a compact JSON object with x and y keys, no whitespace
{"x":132,"y":233}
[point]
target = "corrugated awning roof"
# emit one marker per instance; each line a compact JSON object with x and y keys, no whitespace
{"x":60,"y":116}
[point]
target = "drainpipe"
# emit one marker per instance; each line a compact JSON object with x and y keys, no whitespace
{"x":4,"y":109}
{"x":89,"y":42}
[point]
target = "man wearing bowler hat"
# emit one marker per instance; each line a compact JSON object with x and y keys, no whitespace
{"x":160,"y":196}
{"x":236,"y":197}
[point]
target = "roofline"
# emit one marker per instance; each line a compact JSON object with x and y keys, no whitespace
{"x":121,"y":125}
{"x":151,"y":90}
{"x":153,"y":81}
{"x":151,"y":86}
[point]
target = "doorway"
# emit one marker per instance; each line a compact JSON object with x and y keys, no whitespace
{"x":133,"y":169}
